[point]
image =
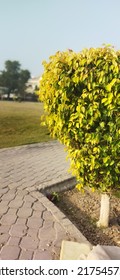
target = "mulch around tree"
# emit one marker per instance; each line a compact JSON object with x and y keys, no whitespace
{"x":83,"y":210}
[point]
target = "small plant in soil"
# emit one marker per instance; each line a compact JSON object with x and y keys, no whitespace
{"x":54,"y":197}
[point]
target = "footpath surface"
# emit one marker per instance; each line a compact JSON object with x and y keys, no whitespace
{"x":31,"y":226}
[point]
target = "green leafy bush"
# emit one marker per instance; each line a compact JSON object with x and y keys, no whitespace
{"x":81,"y":94}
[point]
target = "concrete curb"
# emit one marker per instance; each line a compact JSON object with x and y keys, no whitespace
{"x":62,"y":218}
{"x":69,"y":227}
{"x":59,"y":187}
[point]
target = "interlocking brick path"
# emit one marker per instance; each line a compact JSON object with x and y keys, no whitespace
{"x":31,"y":227}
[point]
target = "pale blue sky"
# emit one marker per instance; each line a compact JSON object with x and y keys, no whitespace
{"x":32,"y":30}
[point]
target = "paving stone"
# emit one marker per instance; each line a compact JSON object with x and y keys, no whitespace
{"x":4,"y":190}
{"x":4,"y":203}
{"x":22,"y":193}
{"x":34,"y":222}
{"x":56,"y":254}
{"x":7,"y":175}
{"x":21,"y":221}
{"x":29,"y":243}
{"x":28,"y":184}
{"x":3,"y":239}
{"x":8,"y":196}
{"x":46,"y":236}
{"x":26,"y":255}
{"x":12,"y":211}
{"x":38,"y":206}
{"x":47,"y":216}
{"x":42,"y":255}
{"x":12,"y":191}
{"x":24,"y":212}
{"x":12,"y":185}
{"x":3,"y":210}
{"x":8,"y":219}
{"x":18,"y":230}
{"x":33,"y":232}
{"x":29,"y":198}
{"x":36,"y":214}
{"x":13,"y":241}
{"x":18,"y":184}
{"x":48,"y":224}
{"x":32,"y":188}
{"x":27,"y":204}
{"x":9,"y":253}
{"x":4,"y":229}
{"x":16,"y":203}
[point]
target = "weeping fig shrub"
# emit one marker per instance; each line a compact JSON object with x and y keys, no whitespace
{"x":81,"y":95}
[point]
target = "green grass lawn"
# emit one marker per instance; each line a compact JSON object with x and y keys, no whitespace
{"x":20,"y":124}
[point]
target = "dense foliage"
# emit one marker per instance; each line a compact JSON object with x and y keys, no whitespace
{"x":81,"y":94}
{"x":13,"y":78}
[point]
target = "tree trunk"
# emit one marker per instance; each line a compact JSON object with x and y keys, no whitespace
{"x":8,"y":94}
{"x":104,"y":211}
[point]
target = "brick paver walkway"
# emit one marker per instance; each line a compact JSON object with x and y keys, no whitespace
{"x":31,"y":227}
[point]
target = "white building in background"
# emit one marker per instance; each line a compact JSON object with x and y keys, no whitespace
{"x":32,"y":84}
{"x":3,"y":92}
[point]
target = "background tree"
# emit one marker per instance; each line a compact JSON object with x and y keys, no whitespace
{"x":13,"y":77}
{"x":23,"y":78}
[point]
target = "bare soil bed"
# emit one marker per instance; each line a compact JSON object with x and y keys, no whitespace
{"x":83,"y":210}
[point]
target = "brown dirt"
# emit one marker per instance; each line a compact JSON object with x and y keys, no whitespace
{"x":83,"y":210}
